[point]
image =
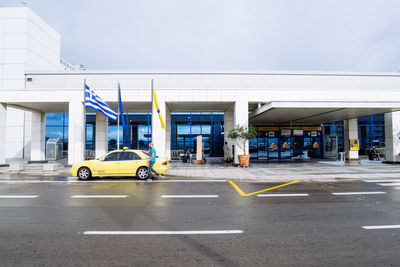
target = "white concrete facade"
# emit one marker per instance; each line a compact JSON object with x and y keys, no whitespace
{"x":101,"y":146}
{"x":241,"y":118}
{"x":27,"y":43}
{"x":32,"y":84}
{"x":350,"y":133}
{"x":76,"y":132}
{"x":38,"y":128}
{"x":3,"y":132}
{"x":392,"y":136}
{"x":228,"y":125}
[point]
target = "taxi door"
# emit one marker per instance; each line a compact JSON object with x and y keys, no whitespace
{"x":110,"y":166}
{"x":130,"y":162}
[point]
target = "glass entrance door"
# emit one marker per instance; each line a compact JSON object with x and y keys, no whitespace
{"x":313,"y":146}
{"x":317,"y":147}
{"x":286,"y":147}
{"x":273,"y":148}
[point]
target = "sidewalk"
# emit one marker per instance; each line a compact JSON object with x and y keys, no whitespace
{"x":320,"y":170}
{"x":215,"y":168}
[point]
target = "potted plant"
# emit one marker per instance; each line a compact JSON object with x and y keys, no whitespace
{"x":241,"y":135}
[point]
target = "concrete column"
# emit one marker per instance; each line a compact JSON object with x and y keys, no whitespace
{"x":28,"y":134}
{"x":38,"y":133}
{"x":241,"y":117}
{"x":392,"y":136}
{"x":3,"y":132}
{"x":76,"y":132}
{"x":101,"y":145}
{"x":168,"y":133}
{"x":15,"y":133}
{"x":350,"y":133}
{"x":158,"y":134}
{"x":228,"y":125}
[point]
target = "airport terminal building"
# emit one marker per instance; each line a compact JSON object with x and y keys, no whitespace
{"x":297,"y":114}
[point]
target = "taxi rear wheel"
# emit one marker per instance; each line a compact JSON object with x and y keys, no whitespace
{"x":143,"y":173}
{"x":84,"y":173}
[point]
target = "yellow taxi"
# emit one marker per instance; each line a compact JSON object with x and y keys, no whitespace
{"x":124,"y":162}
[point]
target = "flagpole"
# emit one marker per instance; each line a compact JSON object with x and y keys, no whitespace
{"x":118,"y":120}
{"x":84,"y":117}
{"x":152,"y":109}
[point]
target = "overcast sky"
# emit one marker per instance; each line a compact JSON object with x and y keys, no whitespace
{"x":333,"y":35}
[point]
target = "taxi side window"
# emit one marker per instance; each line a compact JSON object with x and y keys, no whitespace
{"x":129,"y":156}
{"x":112,"y":157}
{"x":136,"y":156}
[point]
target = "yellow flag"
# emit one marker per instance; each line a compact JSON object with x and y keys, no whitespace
{"x":155,"y":105}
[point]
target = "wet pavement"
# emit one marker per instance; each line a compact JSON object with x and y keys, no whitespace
{"x":215,"y":168}
{"x":313,"y":170}
{"x":61,"y":221}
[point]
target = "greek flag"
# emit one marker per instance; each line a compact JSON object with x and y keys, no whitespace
{"x":93,"y":101}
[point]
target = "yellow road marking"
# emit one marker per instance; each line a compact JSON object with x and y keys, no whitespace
{"x":243,"y":194}
{"x":237,"y":188}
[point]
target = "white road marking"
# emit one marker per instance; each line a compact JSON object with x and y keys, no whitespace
{"x":382,"y":181}
{"x":358,"y":193}
{"x":283,"y":195}
{"x":99,"y":196}
{"x":11,"y":196}
{"x":190,"y":196}
{"x":209,"y":232}
{"x":188,"y":181}
{"x":390,"y":184}
{"x":32,"y":182}
{"x":377,"y":227}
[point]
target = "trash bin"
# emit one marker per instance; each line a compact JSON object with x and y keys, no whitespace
{"x":370,"y":154}
{"x":341,"y":156}
{"x":54,"y":148}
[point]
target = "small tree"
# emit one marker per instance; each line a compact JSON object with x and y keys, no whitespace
{"x":242,"y":134}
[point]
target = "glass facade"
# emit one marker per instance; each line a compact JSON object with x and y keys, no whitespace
{"x":185,"y":127}
{"x":139,"y":132}
{"x":335,"y":128}
{"x":371,"y":132}
{"x":270,"y":143}
{"x":286,"y":142}
{"x":57,"y":127}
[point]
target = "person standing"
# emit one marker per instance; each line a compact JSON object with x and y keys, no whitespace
{"x":227,"y":156}
{"x":152,"y":160}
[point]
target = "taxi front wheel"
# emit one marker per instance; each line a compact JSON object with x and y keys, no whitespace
{"x":143,"y":173}
{"x":84,"y":173}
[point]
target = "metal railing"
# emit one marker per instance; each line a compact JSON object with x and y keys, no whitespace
{"x":90,"y":154}
{"x":177,"y":154}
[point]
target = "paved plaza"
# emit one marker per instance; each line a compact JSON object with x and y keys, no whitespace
{"x":215,"y":168}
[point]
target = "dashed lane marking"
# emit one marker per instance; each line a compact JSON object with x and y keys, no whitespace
{"x":240,"y":191}
{"x":208,"y":232}
{"x":378,"y":227}
{"x":190,"y":196}
{"x":389,"y":184}
{"x":13,"y":196}
{"x":283,"y":195}
{"x":99,"y":196}
{"x":358,"y":193}
{"x":382,"y":181}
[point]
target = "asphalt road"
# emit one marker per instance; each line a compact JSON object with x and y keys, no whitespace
{"x":54,"y":223}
